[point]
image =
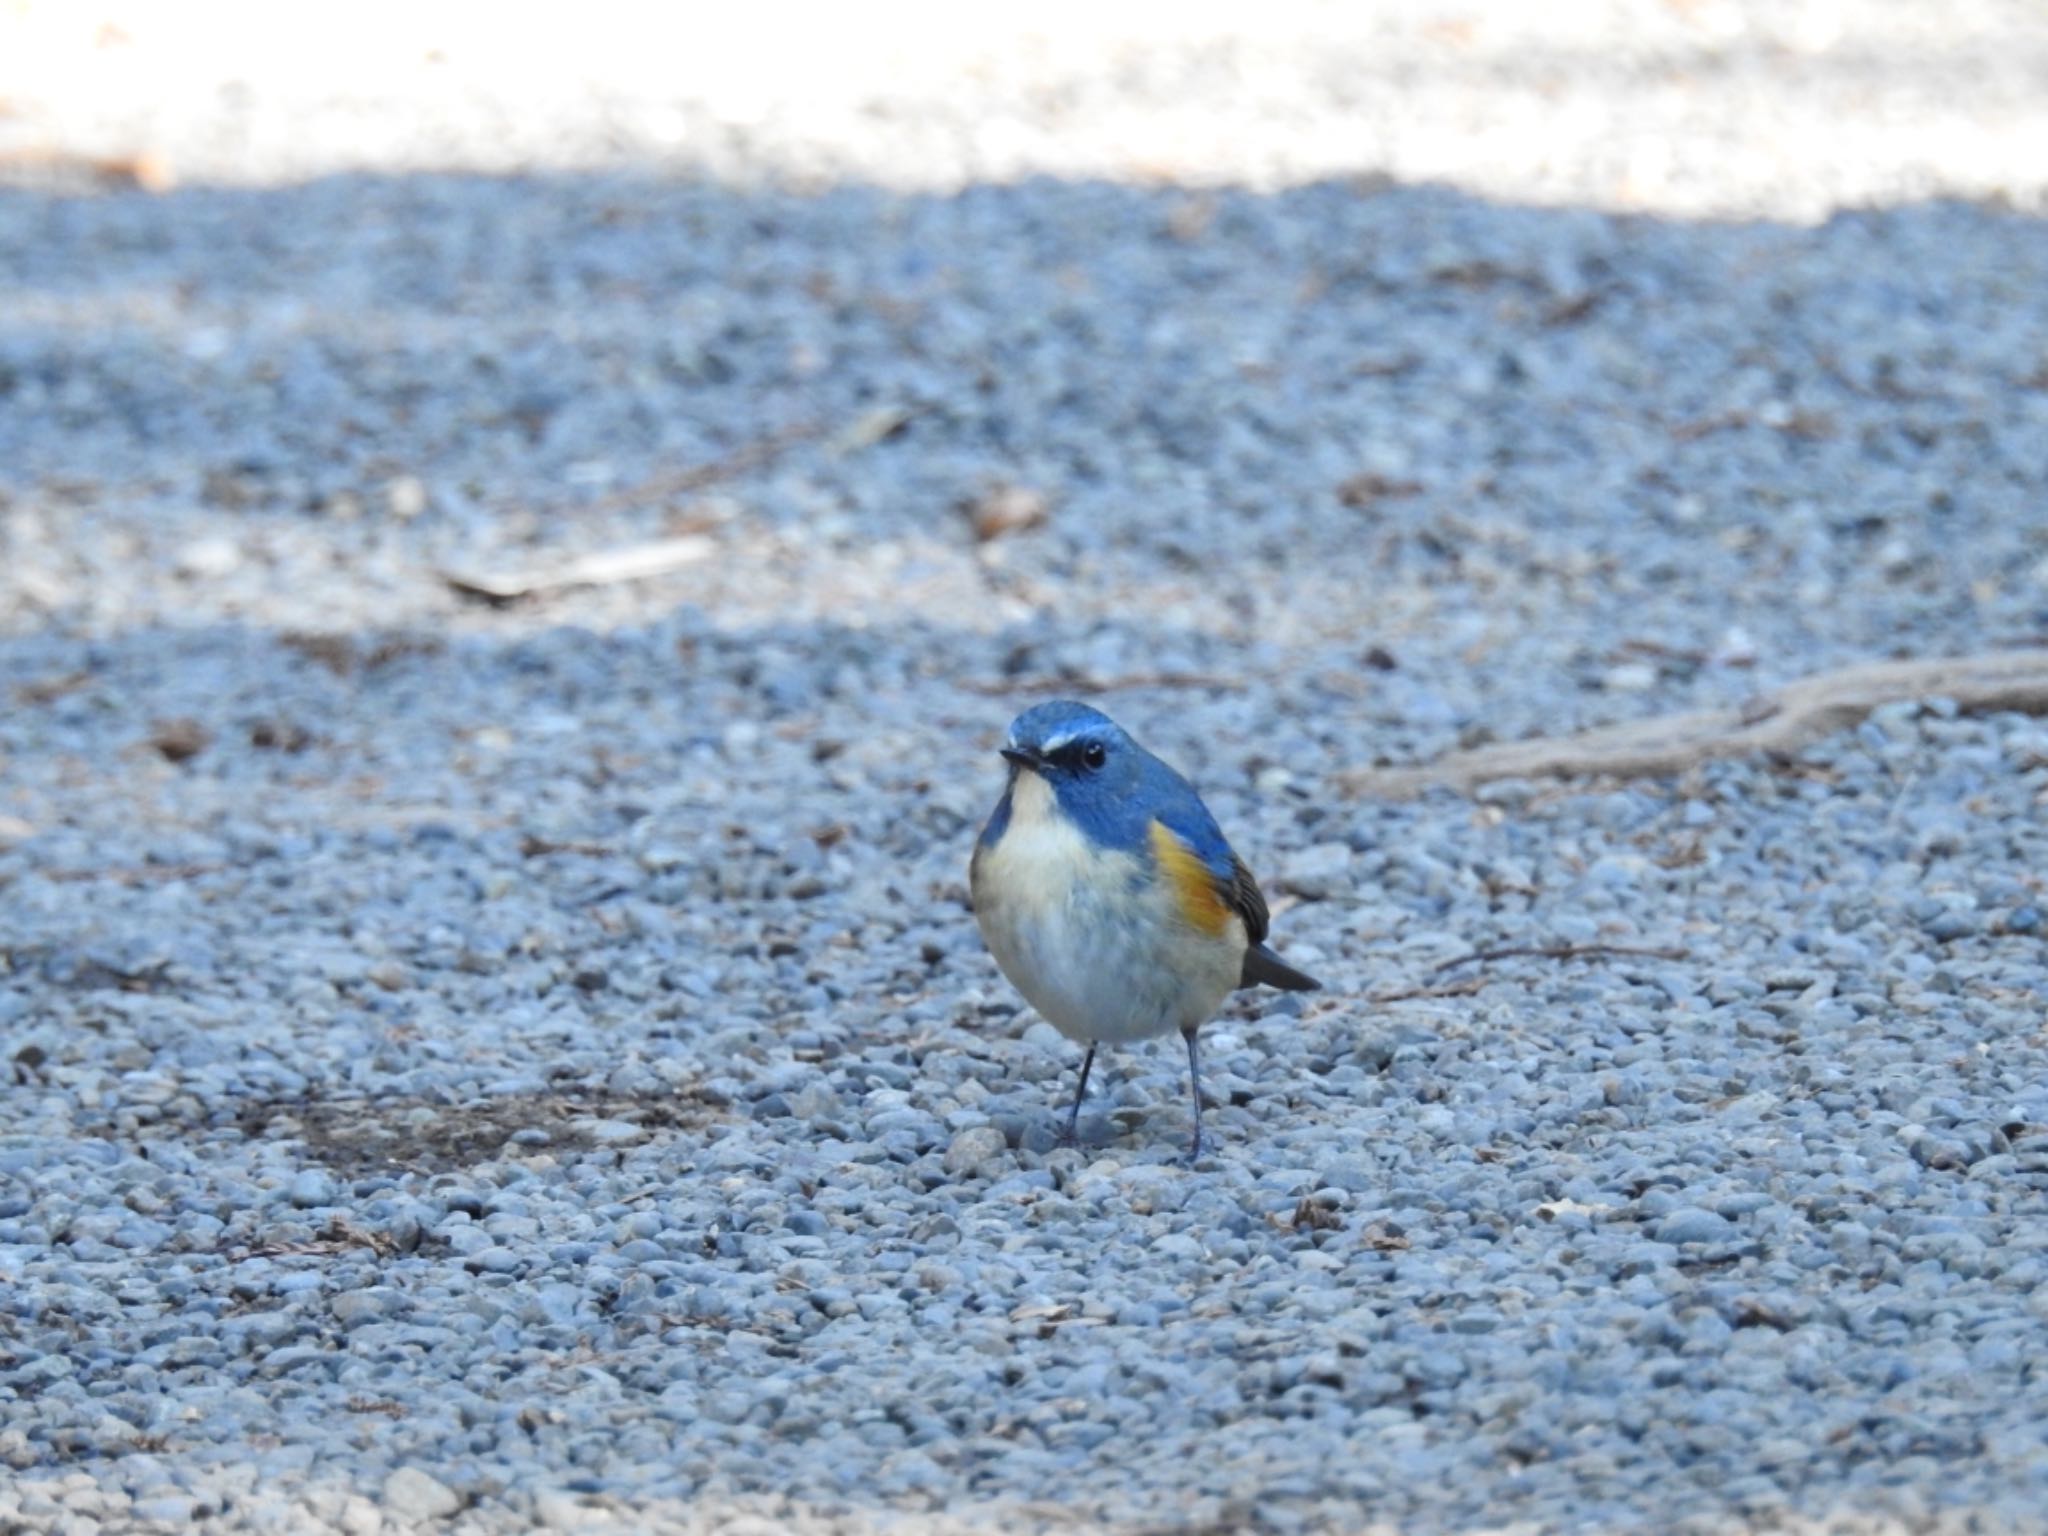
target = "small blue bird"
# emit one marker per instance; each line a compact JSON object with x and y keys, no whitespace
{"x":1108,"y":895}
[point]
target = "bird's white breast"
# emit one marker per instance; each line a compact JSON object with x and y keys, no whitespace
{"x":1090,"y":935}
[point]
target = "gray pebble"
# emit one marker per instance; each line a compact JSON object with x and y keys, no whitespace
{"x":1691,"y":1224}
{"x":973,"y":1147}
{"x":410,"y":1494}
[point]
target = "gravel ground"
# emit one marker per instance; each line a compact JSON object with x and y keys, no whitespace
{"x":481,"y":1067}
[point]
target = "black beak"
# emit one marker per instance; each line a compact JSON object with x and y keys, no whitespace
{"x":1023,"y":757}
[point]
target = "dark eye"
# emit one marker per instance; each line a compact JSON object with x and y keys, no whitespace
{"x":1094,"y":755}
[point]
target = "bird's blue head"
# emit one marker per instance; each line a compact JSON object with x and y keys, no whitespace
{"x":1099,"y":776}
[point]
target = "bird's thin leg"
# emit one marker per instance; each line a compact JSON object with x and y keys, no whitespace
{"x":1195,"y":1082}
{"x":1080,"y":1091}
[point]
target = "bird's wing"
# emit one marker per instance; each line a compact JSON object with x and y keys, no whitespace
{"x":1248,"y":901}
{"x":1209,"y":877}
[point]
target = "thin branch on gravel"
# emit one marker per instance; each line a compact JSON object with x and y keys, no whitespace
{"x":1558,"y":952}
{"x":1782,"y":722}
{"x":1006,"y":687}
{"x":534,"y":846}
{"x":141,"y":874}
{"x":634,"y":562}
{"x":338,"y":1236}
{"x":757,"y":454}
{"x":1465,"y":988}
{"x":687,"y":546}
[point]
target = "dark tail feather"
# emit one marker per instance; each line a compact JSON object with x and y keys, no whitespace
{"x":1261,"y":965}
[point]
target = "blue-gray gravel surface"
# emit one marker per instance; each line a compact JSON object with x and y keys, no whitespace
{"x":476,"y":1068}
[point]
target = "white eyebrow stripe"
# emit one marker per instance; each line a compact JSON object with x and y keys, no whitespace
{"x":1052,"y":744}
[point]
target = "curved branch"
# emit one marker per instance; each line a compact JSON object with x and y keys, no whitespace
{"x":1785,"y":721}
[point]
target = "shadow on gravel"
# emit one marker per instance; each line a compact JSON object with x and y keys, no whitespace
{"x":1383,"y":384}
{"x":1373,"y":441}
{"x":356,"y":1136}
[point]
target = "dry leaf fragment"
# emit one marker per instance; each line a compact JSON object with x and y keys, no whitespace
{"x":877,"y":426}
{"x":179,"y":740}
{"x":280,"y":735}
{"x":1191,"y":217}
{"x":50,"y":689}
{"x":1006,"y":509}
{"x":1362,"y":490}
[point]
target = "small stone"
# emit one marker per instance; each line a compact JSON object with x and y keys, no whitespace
{"x":1691,"y":1224}
{"x":612,"y":1133}
{"x":973,"y":1147}
{"x":1952,"y":923}
{"x":179,"y":740}
{"x":411,"y":1494}
{"x":557,"y":1511}
{"x":313,"y":1188}
{"x":354,"y":1309}
{"x":209,"y":558}
{"x":1352,"y":1178}
{"x":1318,"y":872}
{"x":405,"y":498}
{"x":1006,"y":509}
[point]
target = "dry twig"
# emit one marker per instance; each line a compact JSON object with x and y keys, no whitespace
{"x":1007,"y":686}
{"x":1465,"y":988}
{"x":681,"y":482}
{"x":635,"y":562}
{"x":1557,"y":952}
{"x":1780,"y":722}
{"x":141,"y":874}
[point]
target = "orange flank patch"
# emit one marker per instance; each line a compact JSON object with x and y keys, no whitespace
{"x":1194,"y":887}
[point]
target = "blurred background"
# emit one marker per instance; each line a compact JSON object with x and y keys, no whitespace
{"x":1698,"y":107}
{"x":1420,"y":322}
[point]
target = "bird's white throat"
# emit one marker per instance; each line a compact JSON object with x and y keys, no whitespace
{"x":1041,"y":852}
